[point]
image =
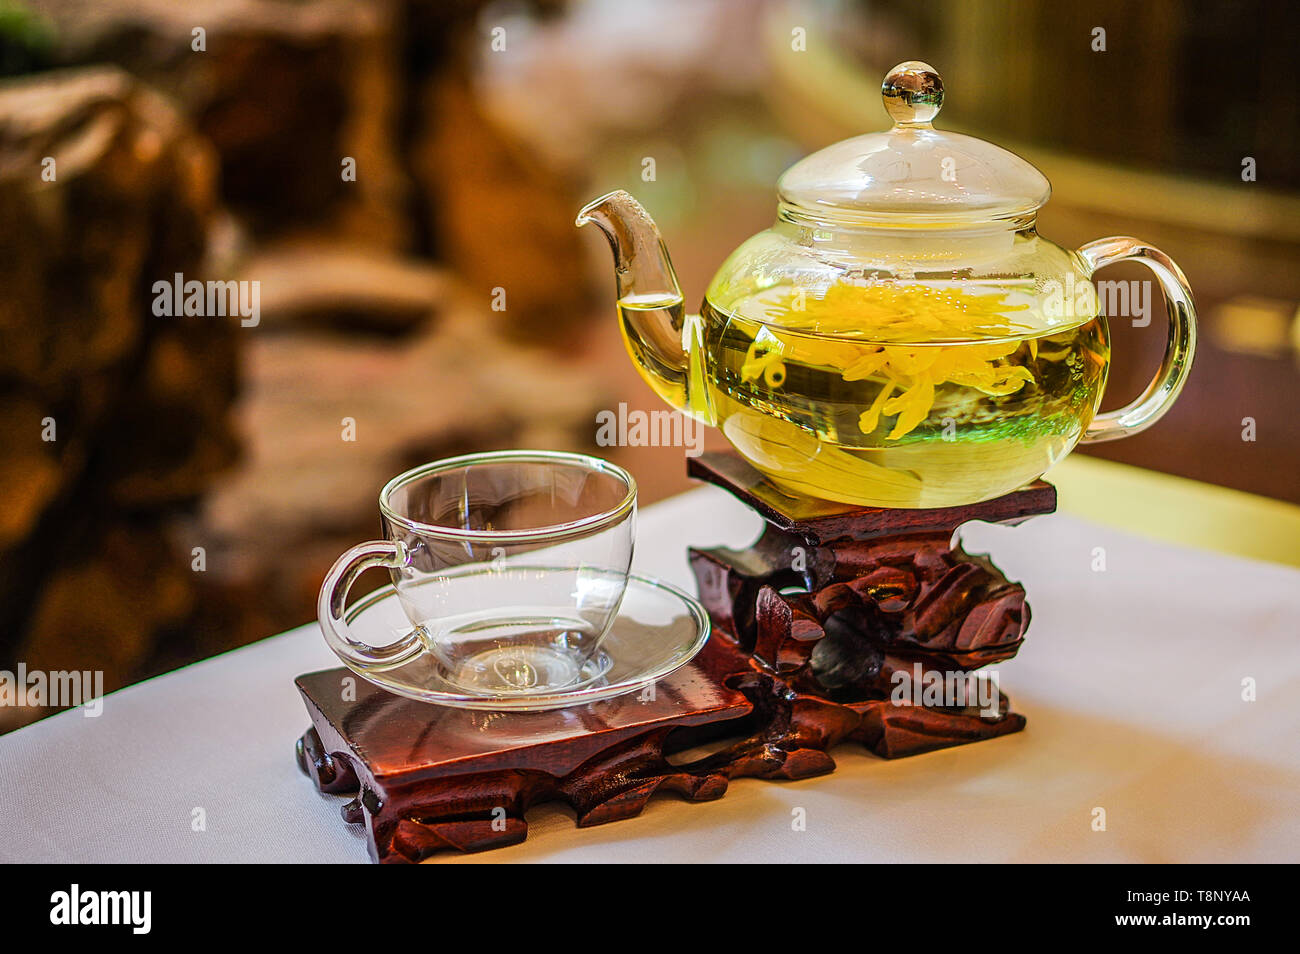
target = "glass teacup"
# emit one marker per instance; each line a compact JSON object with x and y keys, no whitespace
{"x":510,"y":565}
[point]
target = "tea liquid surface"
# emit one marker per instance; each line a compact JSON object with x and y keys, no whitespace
{"x":911,"y":396}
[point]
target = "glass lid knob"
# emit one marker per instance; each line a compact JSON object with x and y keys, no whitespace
{"x":913,"y":93}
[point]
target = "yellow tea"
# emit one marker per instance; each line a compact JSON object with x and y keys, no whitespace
{"x":887,"y":395}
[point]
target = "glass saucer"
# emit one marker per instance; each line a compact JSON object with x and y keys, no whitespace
{"x":659,"y":629}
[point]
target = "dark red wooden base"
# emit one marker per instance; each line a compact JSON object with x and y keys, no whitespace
{"x":839,"y":600}
{"x":811,"y":624}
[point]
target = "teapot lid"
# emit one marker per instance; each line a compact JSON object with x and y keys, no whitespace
{"x":913,"y":173}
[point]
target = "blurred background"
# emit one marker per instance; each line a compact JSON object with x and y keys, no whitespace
{"x":198,"y":481}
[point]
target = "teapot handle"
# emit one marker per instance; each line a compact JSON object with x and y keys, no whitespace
{"x":1169,"y":380}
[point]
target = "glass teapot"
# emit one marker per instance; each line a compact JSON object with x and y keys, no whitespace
{"x":901,"y":336}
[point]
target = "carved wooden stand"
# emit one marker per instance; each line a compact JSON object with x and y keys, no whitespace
{"x":811,"y":625}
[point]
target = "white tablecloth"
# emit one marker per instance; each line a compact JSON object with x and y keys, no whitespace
{"x":1131,"y":679}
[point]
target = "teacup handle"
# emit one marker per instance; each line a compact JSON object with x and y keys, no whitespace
{"x":331,"y":607}
{"x":1169,"y":380}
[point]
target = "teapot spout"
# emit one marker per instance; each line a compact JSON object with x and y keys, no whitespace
{"x":661,"y":338}
{"x":642,"y":267}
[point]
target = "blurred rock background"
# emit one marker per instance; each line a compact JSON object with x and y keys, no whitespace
{"x":197,"y":483}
